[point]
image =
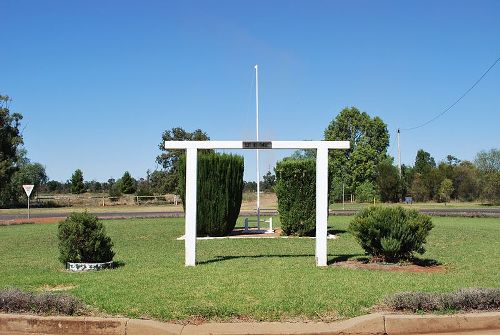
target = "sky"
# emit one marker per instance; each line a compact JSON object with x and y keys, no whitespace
{"x":99,"y":81}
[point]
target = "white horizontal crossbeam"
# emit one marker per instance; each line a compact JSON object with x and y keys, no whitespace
{"x":239,"y":144}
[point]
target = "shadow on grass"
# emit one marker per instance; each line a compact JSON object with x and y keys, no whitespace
{"x":118,"y":264}
{"x":346,"y":257}
{"x":336,"y":231}
{"x":424,"y":262}
{"x":227,"y":258}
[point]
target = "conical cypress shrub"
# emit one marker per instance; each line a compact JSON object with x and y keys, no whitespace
{"x":219,"y":193}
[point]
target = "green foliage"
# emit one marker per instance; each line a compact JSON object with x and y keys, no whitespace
{"x":115,"y":191}
{"x":445,"y":190}
{"x":488,"y":161}
{"x":391,"y":233}
{"x":127,"y":183}
{"x":388,"y":181}
{"x":268,"y":182}
{"x":369,"y":140}
{"x":366,"y":192}
{"x":424,"y":162}
{"x":10,"y":140}
{"x":296,"y":192}
{"x":82,"y":239}
{"x":163,"y":182}
{"x":77,"y":184}
{"x":219,"y":192}
{"x":169,"y":158}
{"x":490,"y":188}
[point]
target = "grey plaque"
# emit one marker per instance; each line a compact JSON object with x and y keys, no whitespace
{"x":258,"y":145}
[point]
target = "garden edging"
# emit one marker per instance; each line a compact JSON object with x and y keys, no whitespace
{"x":378,"y":323}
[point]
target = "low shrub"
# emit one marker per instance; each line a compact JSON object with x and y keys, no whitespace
{"x":219,"y":192}
{"x":83,"y":239}
{"x":17,"y":301}
{"x":296,"y":193}
{"x":391,"y":234}
{"x":484,"y":299}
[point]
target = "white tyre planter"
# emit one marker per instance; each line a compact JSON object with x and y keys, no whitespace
{"x":80,"y":267}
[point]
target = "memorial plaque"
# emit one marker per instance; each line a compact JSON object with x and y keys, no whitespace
{"x":258,"y":145}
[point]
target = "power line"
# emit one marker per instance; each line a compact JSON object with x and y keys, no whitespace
{"x":457,"y":101}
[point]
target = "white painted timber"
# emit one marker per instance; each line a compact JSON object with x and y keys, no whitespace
{"x":321,"y":206}
{"x":239,"y":144}
{"x":191,"y":181}
{"x":321,"y":186}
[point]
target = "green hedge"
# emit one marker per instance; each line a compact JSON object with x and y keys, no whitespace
{"x":391,"y":233}
{"x":296,"y":192}
{"x":219,"y":193}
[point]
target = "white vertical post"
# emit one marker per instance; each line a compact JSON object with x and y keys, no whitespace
{"x":28,"y":207}
{"x":321,"y":206}
{"x":191,"y":185}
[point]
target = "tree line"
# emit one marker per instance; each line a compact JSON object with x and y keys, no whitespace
{"x":365,"y":170}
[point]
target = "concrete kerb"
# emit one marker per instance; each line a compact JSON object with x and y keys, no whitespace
{"x":368,"y":324}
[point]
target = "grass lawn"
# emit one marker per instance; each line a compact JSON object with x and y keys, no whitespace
{"x":265,"y":279}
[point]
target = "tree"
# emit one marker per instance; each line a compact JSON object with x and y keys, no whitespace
{"x":418,"y":189}
{"x":369,"y":140}
{"x":77,"y":185}
{"x":488,"y":161}
{"x":249,"y":186}
{"x":169,"y":158}
{"x":388,"y":181}
{"x":366,"y":192}
{"x":424,"y":162}
{"x":10,"y":141}
{"x":466,"y":181}
{"x":268,"y":182}
{"x":127,"y":183}
{"x":445,"y":190}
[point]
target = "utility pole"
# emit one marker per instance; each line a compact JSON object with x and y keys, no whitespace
{"x":399,"y":157}
{"x":257,"y":128}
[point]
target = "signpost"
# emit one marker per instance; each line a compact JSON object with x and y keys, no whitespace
{"x":28,"y":189}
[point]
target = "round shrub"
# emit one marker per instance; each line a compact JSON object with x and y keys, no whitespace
{"x":391,"y":234}
{"x":219,"y":192}
{"x":296,"y":193}
{"x":83,"y":239}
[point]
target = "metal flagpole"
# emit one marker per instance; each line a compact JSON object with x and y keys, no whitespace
{"x":257,"y":128}
{"x":399,"y":157}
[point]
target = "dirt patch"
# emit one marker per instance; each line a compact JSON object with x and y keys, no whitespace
{"x":56,"y":288}
{"x":26,"y":221}
{"x":415,"y":268}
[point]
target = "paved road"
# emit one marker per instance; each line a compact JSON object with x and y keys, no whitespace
{"x":457,"y":212}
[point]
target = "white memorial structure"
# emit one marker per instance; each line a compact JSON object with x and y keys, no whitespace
{"x":321,"y":147}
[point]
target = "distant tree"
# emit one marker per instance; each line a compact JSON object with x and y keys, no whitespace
{"x":54,"y":186}
{"x":488,"y":161}
{"x":10,"y":140}
{"x":445,"y":190}
{"x":163,"y":182}
{"x":77,"y":184}
{"x":419,"y":190}
{"x":366,"y":192}
{"x":407,"y":175}
{"x":369,"y":140}
{"x":268,"y":182}
{"x":127,"y":183}
{"x":466,"y":181}
{"x":304,"y":154}
{"x":388,"y":181}
{"x":169,"y":158}
{"x":424,"y":162}
{"x":144,"y":188}
{"x":490,"y":188}
{"x":249,"y":186}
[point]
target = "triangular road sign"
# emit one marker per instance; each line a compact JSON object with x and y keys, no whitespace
{"x":28,"y":189}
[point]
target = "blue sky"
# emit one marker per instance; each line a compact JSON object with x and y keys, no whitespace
{"x":99,"y":81}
